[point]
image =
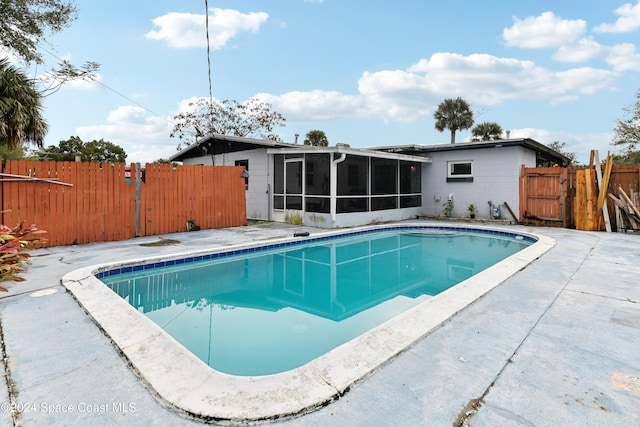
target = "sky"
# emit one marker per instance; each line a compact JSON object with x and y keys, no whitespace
{"x":367,"y":73}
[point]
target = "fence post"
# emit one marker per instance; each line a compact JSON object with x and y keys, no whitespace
{"x":138,"y":179}
{"x":523,"y":193}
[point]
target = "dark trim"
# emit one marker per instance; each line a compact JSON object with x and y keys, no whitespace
{"x":469,"y":179}
{"x":542,"y":151}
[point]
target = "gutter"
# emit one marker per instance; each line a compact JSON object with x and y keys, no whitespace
{"x":334,"y":184}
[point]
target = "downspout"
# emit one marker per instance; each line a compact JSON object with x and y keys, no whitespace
{"x":334,"y":185}
{"x":269,"y":196}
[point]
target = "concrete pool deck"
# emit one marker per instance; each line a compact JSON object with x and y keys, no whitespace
{"x":558,"y":343}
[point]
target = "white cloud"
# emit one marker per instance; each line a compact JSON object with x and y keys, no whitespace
{"x":628,"y":21}
{"x":546,"y":30}
{"x":582,"y":50}
{"x":623,"y":57}
{"x":185,"y":30}
{"x":579,"y":144}
{"x":144,"y":138}
{"x":488,"y":80}
{"x":412,"y":94}
{"x":313,"y":105}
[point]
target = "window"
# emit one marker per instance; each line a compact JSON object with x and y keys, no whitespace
{"x":460,"y":171}
{"x":410,"y":177}
{"x":293,"y":184}
{"x":352,"y":176}
{"x":410,"y":184}
{"x":293,"y":178}
{"x":317,"y":174}
{"x":244,"y":163}
{"x":317,"y":169}
{"x":317,"y":204}
{"x":352,"y":204}
{"x":364,"y":184}
{"x":278,"y":174}
{"x":384,"y":175}
{"x":288,"y":181}
{"x":384,"y":203}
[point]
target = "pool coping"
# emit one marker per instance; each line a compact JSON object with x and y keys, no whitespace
{"x":192,"y":387}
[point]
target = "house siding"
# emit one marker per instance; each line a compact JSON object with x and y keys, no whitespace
{"x":496,"y":176}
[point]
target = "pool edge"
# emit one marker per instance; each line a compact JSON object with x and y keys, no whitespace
{"x":218,"y":396}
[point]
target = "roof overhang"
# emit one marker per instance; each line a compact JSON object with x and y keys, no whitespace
{"x":344,"y":149}
{"x":543,"y":153}
{"x":221,"y":144}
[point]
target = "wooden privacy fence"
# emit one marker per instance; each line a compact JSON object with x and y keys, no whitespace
{"x":80,"y":202}
{"x":543,"y":196}
{"x":583,"y":192}
{"x":567,"y":197}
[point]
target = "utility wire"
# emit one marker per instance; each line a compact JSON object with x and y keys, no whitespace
{"x":116,"y":92}
{"x":135,"y":102}
{"x":206,"y":6}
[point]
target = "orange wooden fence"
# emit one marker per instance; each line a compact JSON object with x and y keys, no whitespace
{"x":543,"y":193}
{"x":549,"y":196}
{"x":83,"y":202}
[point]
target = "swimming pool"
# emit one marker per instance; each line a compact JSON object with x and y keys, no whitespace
{"x":272,"y":310}
{"x":190,"y":385}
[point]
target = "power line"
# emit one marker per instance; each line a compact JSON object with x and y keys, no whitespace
{"x":116,"y":92}
{"x":206,"y":24}
{"x":135,"y":102}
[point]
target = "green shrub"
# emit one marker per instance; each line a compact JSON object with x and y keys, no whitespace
{"x":448,"y":208}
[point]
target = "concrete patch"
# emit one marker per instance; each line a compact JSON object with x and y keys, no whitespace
{"x":630,"y":383}
{"x":43,"y":293}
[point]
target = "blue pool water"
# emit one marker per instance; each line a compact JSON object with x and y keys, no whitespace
{"x":268,"y":310}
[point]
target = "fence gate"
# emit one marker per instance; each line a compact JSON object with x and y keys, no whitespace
{"x":543,"y":196}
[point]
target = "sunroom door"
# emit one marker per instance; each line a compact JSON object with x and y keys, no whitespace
{"x":294,"y":175}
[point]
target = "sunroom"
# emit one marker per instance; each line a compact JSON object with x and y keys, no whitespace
{"x":341,"y":187}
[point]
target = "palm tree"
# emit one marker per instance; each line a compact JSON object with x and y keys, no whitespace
{"x":21,"y":119}
{"x":316,"y":137}
{"x":453,"y":114}
{"x":486,"y":131}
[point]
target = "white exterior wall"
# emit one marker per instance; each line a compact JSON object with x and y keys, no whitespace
{"x":496,"y":177}
{"x":357,"y":218}
{"x":257,"y":195}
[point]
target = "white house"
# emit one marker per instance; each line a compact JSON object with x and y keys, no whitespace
{"x":484,"y":173}
{"x":341,"y":186}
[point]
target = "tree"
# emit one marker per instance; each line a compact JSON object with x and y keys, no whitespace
{"x":317,"y":138}
{"x":21,"y":119}
{"x":486,"y":131}
{"x":25,"y":23}
{"x":92,"y":151}
{"x":11,"y":154}
{"x":559,"y":147}
{"x":163,"y":161}
{"x":626,"y":133}
{"x":627,"y":157}
{"x":453,"y":114}
{"x":67,"y":72}
{"x":250,"y":119}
